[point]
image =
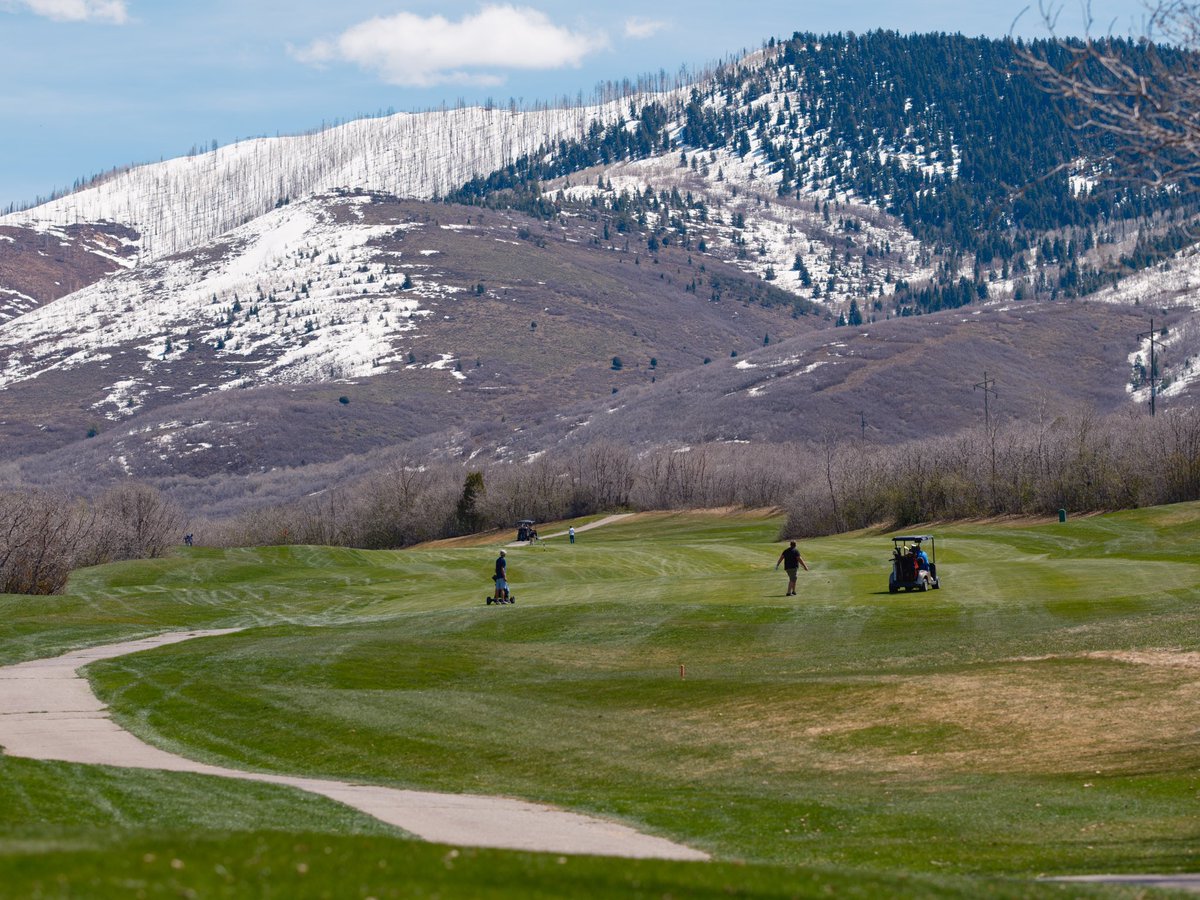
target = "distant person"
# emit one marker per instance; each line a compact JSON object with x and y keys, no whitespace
{"x":501,"y":578}
{"x":790,"y":558}
{"x":571,"y":533}
{"x":187,"y":539}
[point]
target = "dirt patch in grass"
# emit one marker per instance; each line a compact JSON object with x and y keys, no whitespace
{"x":1050,"y":716}
{"x":1174,"y":659}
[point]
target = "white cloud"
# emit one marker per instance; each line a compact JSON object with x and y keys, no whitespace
{"x":114,"y":11}
{"x":640,"y":28}
{"x":411,"y":50}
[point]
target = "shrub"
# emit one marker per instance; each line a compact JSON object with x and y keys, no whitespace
{"x":44,"y":536}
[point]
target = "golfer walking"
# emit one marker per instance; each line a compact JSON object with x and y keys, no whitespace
{"x":790,"y":558}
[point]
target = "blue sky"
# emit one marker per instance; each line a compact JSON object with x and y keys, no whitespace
{"x":92,"y":84}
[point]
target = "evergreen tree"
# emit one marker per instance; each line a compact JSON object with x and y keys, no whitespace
{"x":466,"y":512}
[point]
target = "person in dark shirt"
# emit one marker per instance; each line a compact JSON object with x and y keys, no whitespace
{"x":501,"y":577}
{"x":790,"y":558}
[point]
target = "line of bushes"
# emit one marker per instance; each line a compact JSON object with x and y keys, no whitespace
{"x":1081,"y":462}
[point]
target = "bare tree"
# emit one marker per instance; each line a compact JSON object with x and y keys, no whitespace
{"x":41,"y":536}
{"x":134,"y":521}
{"x":1144,"y":94}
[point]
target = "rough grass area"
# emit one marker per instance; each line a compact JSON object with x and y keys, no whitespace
{"x":1036,"y":716}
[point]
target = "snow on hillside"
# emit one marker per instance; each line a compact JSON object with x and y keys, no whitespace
{"x":748,"y":225}
{"x":848,"y":247}
{"x":1177,"y":282}
{"x":292,"y":297}
{"x":181,"y":203}
{"x":14,"y":303}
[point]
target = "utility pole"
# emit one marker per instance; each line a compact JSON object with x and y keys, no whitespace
{"x":988,"y":386}
{"x":1153,"y":335}
{"x":862,"y":418}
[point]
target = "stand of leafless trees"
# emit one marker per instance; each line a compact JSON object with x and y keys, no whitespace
{"x":45,"y":535}
{"x":1081,"y":463}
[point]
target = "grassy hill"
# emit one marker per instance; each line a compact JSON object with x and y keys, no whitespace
{"x":1036,"y":716}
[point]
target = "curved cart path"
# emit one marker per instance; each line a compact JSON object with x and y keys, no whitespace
{"x":599,"y":523}
{"x":48,"y":711}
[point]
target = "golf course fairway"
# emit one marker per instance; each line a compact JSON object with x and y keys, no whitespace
{"x":1038,"y":716}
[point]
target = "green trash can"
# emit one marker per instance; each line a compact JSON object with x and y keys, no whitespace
{"x":1062,"y":515}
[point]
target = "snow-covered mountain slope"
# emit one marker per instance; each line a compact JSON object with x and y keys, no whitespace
{"x":423,"y":315}
{"x":181,"y":203}
{"x":43,"y":264}
{"x":294,"y":296}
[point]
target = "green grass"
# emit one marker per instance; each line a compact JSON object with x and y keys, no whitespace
{"x":1037,"y":715}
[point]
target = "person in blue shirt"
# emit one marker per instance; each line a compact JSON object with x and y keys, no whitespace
{"x":917,"y":555}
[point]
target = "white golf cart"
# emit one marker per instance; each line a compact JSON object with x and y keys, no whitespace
{"x":910,"y":571}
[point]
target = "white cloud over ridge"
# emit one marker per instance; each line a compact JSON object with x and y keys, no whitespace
{"x":641,"y":28}
{"x":417,"y":51}
{"x":113,"y":11}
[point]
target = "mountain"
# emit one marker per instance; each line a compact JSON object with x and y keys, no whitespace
{"x":182,"y":203}
{"x":253,"y":323}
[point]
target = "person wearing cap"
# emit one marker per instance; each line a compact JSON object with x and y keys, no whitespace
{"x":501,"y":577}
{"x":922,"y":559}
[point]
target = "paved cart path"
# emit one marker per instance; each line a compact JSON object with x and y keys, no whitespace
{"x":599,"y":523}
{"x":1179,"y":882}
{"x":48,"y":711}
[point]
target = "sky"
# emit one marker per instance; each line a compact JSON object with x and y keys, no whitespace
{"x":93,"y":84}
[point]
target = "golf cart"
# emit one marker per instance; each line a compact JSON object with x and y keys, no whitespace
{"x":526,"y":529}
{"x":909,"y":570}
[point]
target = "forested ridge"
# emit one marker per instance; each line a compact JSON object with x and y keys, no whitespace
{"x":945,"y":132}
